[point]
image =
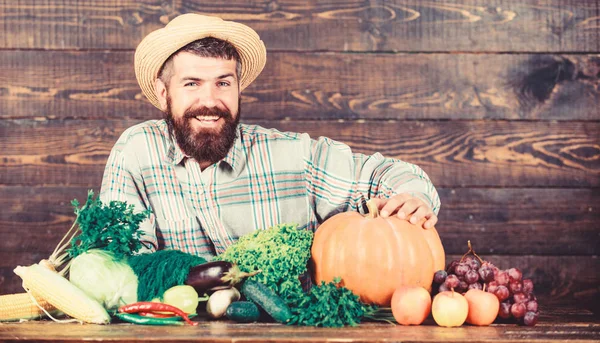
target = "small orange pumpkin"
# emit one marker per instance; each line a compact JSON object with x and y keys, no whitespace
{"x":375,"y":255}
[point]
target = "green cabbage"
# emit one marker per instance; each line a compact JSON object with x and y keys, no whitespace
{"x":108,"y":280}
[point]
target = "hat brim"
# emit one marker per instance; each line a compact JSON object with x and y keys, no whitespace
{"x":159,"y":45}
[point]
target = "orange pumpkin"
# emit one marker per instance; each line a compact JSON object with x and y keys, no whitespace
{"x":375,"y":255}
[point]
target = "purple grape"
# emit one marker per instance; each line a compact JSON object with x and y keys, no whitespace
{"x":440,"y":276}
{"x":530,"y":318}
{"x":504,"y":310}
{"x":532,"y":306}
{"x":527,"y":286}
{"x":515,"y":286}
{"x":520,"y":297}
{"x":451,"y":281}
{"x":471,"y":276}
{"x":443,"y":288}
{"x":487,"y":264}
{"x":502,"y":278}
{"x":515,"y":274}
{"x":461,"y":269}
{"x":502,"y":293}
{"x":474,"y":264}
{"x":518,"y":310}
{"x":486,"y":274}
{"x":492,"y":286}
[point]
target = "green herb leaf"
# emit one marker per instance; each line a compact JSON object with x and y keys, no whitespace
{"x":113,"y":227}
{"x":330,"y":305}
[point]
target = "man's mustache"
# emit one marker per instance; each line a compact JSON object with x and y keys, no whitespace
{"x":207,"y":111}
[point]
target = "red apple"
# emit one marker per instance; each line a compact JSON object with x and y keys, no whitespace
{"x":449,"y":309}
{"x":411,"y":305}
{"x":483,"y":307}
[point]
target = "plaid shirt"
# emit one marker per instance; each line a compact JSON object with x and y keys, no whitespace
{"x":267,"y":178}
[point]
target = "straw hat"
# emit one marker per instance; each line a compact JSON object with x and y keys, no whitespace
{"x":157,"y":46}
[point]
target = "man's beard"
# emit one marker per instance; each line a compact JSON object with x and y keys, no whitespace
{"x":204,"y":144}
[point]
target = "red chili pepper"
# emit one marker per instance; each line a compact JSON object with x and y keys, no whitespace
{"x":148,"y":306}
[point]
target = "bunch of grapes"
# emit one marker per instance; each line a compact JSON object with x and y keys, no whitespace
{"x":515,"y":294}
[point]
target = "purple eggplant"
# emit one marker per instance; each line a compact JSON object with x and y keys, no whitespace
{"x":212,"y":276}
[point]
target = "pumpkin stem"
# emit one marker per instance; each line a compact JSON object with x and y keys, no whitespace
{"x":373,"y":210}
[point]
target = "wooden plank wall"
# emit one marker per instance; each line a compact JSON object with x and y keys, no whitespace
{"x":496,"y":100}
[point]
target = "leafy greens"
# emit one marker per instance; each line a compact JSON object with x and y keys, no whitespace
{"x":282,"y":253}
{"x":113,"y":228}
{"x":330,"y":305}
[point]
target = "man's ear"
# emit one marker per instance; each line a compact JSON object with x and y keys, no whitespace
{"x":161,"y":93}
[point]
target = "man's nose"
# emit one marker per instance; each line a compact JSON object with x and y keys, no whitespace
{"x":208,"y":97}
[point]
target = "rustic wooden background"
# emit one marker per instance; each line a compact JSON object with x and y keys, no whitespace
{"x":497,"y":100}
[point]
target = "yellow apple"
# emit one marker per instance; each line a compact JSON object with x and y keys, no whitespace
{"x":449,"y":309}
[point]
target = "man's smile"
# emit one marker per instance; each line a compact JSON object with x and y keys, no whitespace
{"x":208,"y":121}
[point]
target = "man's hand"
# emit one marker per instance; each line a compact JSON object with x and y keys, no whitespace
{"x":406,"y":206}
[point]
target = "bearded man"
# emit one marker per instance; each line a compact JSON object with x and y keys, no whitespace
{"x":210,"y":179}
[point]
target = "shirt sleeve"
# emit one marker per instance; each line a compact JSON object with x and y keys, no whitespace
{"x":339,"y":180}
{"x":122,"y":181}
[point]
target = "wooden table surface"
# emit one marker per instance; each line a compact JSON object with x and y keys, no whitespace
{"x":555,"y":325}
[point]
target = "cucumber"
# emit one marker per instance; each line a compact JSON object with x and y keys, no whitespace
{"x":264,"y":297}
{"x":243,"y":312}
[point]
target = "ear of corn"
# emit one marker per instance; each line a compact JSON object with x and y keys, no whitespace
{"x":20,"y":306}
{"x":62,"y":294}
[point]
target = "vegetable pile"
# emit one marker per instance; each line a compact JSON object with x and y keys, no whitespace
{"x":282,"y":253}
{"x":97,"y":243}
{"x":102,"y":237}
{"x":107,"y":276}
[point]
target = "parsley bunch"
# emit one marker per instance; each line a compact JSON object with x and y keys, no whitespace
{"x":113,"y":227}
{"x":330,"y":305}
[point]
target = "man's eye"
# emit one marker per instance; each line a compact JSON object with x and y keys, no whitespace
{"x":223,"y":83}
{"x":190,"y":84}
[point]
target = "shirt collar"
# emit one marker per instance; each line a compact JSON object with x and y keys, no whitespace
{"x":234,"y":157}
{"x":174,"y":154}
